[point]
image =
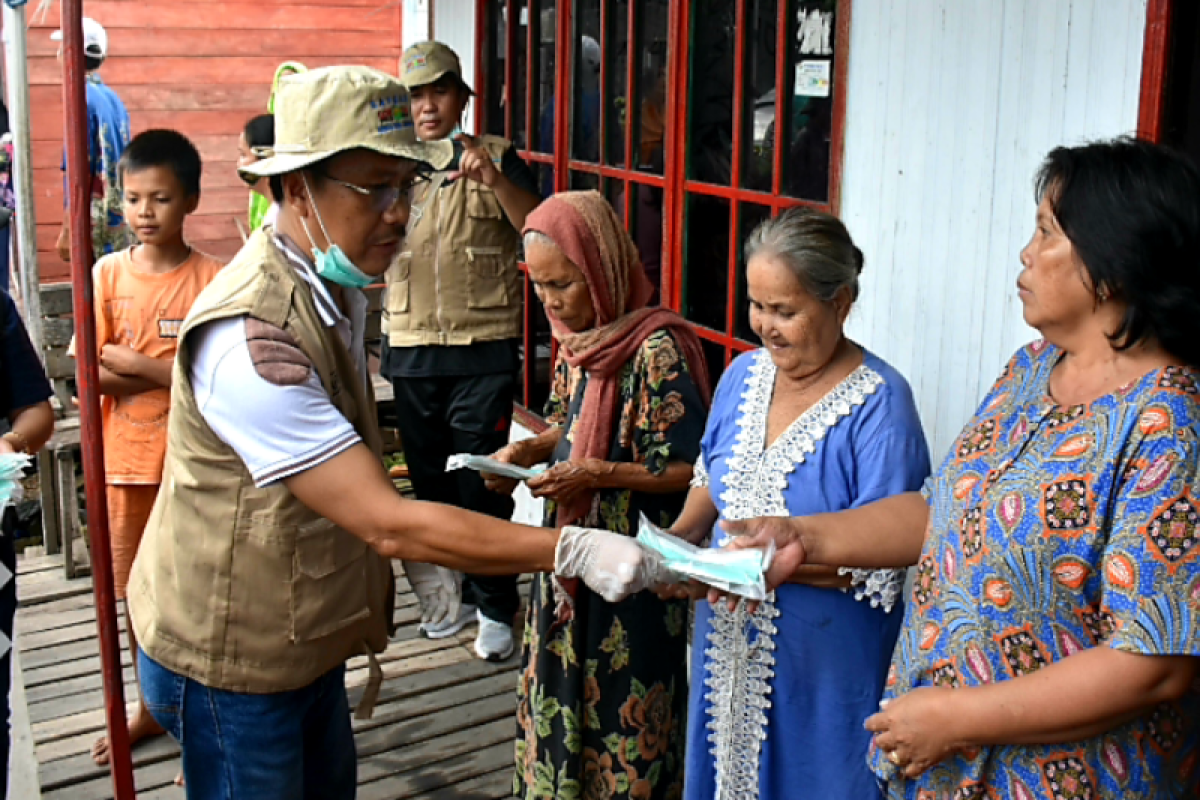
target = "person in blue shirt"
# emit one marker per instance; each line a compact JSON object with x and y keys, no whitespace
{"x":108,"y":135}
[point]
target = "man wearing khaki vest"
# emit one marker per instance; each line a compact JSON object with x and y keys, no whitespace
{"x":452,"y":322}
{"x":265,"y":562}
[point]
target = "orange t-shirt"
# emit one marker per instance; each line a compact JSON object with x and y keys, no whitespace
{"x":144,"y":311}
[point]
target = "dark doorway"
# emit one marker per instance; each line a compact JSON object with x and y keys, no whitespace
{"x":1181,"y":118}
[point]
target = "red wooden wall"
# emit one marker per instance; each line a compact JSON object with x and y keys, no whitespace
{"x":203,"y":67}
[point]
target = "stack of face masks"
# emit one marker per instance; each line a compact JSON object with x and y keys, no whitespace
{"x":742,"y":572}
{"x":12,"y":469}
{"x":491,"y":465}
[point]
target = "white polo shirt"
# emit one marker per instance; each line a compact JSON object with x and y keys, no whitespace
{"x":278,"y":431}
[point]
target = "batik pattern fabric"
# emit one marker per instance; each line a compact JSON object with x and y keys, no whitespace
{"x":1052,"y":530}
{"x":779,"y":695}
{"x":8,"y":197}
{"x":108,"y":134}
{"x":602,"y":698}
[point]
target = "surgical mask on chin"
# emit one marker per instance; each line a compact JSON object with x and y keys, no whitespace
{"x":333,"y":265}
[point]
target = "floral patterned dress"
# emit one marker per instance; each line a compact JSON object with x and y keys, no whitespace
{"x":1052,"y":530}
{"x":602,"y":697}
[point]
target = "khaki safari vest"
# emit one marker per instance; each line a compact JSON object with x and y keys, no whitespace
{"x":457,"y":281}
{"x":244,"y":588}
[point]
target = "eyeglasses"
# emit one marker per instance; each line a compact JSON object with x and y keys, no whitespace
{"x":385,"y":195}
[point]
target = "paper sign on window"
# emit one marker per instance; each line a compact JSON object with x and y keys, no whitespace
{"x":812,"y":78}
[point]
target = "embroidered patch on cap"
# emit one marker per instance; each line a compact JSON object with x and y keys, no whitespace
{"x":392,"y":114}
{"x":416,"y":61}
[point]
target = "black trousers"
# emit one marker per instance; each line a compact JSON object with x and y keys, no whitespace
{"x":441,"y":416}
{"x":8,"y":614}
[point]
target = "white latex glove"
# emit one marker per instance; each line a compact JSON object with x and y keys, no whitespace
{"x":612,"y":565}
{"x":439,"y":590}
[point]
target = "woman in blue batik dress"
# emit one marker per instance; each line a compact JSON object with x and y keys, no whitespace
{"x":1049,"y":648}
{"x":811,"y":422}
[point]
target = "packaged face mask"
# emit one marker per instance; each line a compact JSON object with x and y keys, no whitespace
{"x":12,"y":469}
{"x":742,"y":572}
{"x":491,"y":465}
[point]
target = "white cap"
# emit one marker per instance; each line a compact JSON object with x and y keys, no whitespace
{"x":95,"y":38}
{"x":591,"y":52}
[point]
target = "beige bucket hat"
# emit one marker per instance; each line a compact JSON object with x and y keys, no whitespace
{"x":425,"y":62}
{"x":326,"y":111}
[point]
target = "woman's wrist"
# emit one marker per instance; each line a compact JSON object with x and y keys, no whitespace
{"x":526,"y":452}
{"x":603,"y":473}
{"x":539,"y":448}
{"x":17,"y":440}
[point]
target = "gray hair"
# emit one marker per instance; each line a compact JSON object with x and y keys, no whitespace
{"x":538,"y":238}
{"x":815,"y":246}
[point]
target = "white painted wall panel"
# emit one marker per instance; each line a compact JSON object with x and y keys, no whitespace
{"x":415,"y":27}
{"x":951,"y":106}
{"x":454,"y":24}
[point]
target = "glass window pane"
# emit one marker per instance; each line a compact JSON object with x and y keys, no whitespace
{"x":714,"y":354}
{"x":538,"y":340}
{"x":809,"y":77}
{"x":495,"y":53}
{"x":710,"y":87}
{"x":616,"y":64}
{"x":706,"y":260}
{"x":584,"y":181}
{"x":545,"y":178}
{"x":650,"y":76}
{"x":541,"y":18}
{"x":758,"y":93}
{"x":647,"y":215}
{"x":585,"y":81}
{"x":517,"y":94}
{"x":614,"y":192}
{"x":749,"y":216}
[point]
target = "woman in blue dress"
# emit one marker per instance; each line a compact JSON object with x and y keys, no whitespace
{"x":810,"y":422}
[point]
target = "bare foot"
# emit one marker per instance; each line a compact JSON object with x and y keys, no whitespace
{"x":141,"y":726}
{"x":179,"y":780}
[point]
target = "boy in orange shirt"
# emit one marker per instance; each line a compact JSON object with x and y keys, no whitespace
{"x":142,"y":295}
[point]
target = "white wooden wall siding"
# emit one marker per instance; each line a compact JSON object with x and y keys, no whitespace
{"x":952,"y":104}
{"x":454,"y":24}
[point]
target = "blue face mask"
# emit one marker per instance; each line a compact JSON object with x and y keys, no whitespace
{"x":333,"y":265}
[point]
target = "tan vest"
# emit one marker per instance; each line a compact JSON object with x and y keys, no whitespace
{"x":457,"y":281}
{"x":237,"y":587}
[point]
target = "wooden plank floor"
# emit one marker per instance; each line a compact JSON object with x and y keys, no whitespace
{"x":443,"y":727}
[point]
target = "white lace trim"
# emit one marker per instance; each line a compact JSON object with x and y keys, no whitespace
{"x":740,"y":658}
{"x":699,"y":474}
{"x":741,"y":666}
{"x":881,"y":587}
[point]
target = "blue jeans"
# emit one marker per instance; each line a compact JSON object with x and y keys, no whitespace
{"x":236,"y":746}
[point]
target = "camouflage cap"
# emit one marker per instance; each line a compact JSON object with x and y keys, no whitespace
{"x":326,"y":111}
{"x":425,"y":62}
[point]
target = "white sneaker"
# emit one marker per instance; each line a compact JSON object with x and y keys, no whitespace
{"x":466,"y":615}
{"x":494,"y":641}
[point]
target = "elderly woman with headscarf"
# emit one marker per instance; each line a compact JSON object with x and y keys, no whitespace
{"x":603,"y":695}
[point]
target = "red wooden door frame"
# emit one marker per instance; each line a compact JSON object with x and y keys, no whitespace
{"x":1156,"y":54}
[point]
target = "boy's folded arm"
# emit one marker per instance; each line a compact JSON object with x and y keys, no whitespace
{"x":144,"y":372}
{"x":124,"y":385}
{"x":156,"y":370}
